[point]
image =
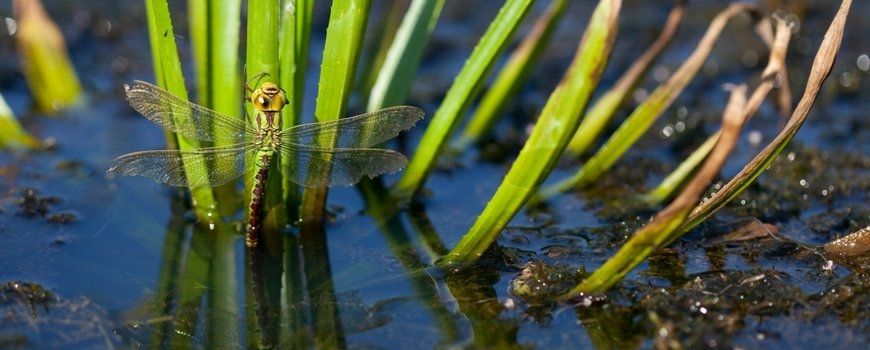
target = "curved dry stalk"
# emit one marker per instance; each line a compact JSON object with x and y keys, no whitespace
{"x":819,"y":72}
{"x":855,"y":243}
{"x":643,"y":117}
{"x":663,"y":226}
{"x":774,"y":70}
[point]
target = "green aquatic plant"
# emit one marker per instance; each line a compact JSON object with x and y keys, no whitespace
{"x":168,"y":74}
{"x":396,"y":74}
{"x":344,"y":37}
{"x":559,"y":119}
{"x":654,"y":234}
{"x":50,"y":75}
{"x":648,"y":111}
{"x":214,"y":31}
{"x":683,"y":214}
{"x":512,"y":75}
{"x":465,"y":87}
{"x":821,"y":68}
{"x":606,"y":106}
{"x":12,"y":135}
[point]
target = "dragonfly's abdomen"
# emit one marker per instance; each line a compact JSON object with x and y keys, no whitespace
{"x":255,"y":214}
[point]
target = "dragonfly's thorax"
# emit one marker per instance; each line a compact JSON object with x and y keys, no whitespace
{"x":268,"y":130}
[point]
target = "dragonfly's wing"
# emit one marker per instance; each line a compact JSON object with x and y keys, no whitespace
{"x":185,"y":118}
{"x":318,"y":167}
{"x":364,"y":130}
{"x":211,"y":166}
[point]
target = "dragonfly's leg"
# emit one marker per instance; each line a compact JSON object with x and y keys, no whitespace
{"x":258,"y":76}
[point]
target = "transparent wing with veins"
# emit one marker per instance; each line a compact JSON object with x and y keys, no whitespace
{"x":210,"y":166}
{"x":319,"y":167}
{"x":362,"y":131}
{"x":185,"y":118}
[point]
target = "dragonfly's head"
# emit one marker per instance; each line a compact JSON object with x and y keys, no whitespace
{"x":269,"y":98}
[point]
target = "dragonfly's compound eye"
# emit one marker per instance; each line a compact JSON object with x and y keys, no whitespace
{"x":260,"y":100}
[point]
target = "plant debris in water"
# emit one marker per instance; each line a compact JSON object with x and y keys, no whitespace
{"x":33,"y":317}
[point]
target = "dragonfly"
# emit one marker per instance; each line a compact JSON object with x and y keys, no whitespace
{"x":345,"y":161}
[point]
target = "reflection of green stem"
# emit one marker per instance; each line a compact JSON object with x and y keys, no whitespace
{"x":195,"y":276}
{"x":478,"y":301}
{"x":293,"y":314}
{"x":400,"y":243}
{"x":326,"y":322}
{"x":426,"y":231}
{"x":256,"y":256}
{"x":609,"y":328}
{"x":170,"y":273}
{"x":222,"y":299}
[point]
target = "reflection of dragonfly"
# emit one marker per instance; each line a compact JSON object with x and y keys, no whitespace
{"x":310,"y":165}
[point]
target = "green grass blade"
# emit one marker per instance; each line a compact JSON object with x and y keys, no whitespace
{"x":397,"y":72}
{"x":261,"y":54}
{"x":643,"y":117}
{"x":821,"y":68}
{"x":603,"y":110}
{"x":50,"y":75}
{"x":512,"y":76}
{"x":557,"y":124}
{"x":168,"y":74}
{"x":460,"y":95}
{"x":223,"y":74}
{"x":261,"y":62}
{"x":657,"y":233}
{"x":375,"y":51}
{"x":293,"y":58}
{"x":214,"y":31}
{"x":12,"y":135}
{"x":344,"y":38}
{"x":197,"y":16}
